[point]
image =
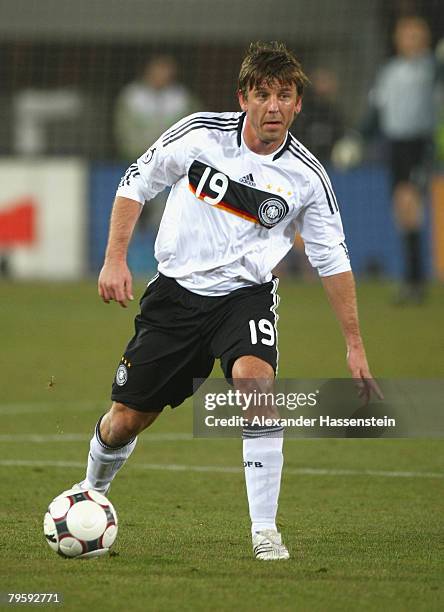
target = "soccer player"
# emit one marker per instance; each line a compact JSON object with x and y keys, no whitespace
{"x":241,"y":186}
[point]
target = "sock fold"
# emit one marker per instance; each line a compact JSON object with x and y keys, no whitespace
{"x":105,"y":461}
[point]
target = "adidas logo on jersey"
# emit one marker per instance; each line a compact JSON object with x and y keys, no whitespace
{"x":248,"y":180}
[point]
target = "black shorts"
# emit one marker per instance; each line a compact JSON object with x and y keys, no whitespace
{"x":179,"y":334}
{"x":410,"y":161}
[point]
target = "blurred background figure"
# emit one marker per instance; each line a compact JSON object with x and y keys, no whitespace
{"x":145,"y":108}
{"x":148,"y":106}
{"x":320,"y":123}
{"x":402,"y":108}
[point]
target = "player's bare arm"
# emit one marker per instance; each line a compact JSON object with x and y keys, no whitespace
{"x":341,"y":292}
{"x":115,"y":281}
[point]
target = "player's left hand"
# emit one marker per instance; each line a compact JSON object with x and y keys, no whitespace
{"x":358,"y":366}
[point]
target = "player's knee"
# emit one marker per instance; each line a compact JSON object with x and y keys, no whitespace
{"x":122,"y":423}
{"x":252,"y":375}
{"x":254,"y":378}
{"x":249,"y":370}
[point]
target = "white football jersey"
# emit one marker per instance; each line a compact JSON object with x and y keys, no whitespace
{"x":232,"y":215}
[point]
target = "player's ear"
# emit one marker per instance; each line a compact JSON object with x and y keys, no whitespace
{"x":243,"y":103}
{"x":298,"y":107}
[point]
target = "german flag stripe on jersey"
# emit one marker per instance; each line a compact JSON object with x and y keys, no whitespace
{"x":224,"y":206}
{"x":218,"y":190}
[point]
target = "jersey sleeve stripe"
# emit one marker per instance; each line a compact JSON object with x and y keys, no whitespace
{"x":199,"y":127}
{"x":132,"y":172}
{"x":316,"y":170}
{"x":309,"y":157}
{"x":344,"y":246}
{"x":196,"y":120}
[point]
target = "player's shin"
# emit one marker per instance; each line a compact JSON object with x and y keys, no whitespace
{"x":263,"y":461}
{"x":104,"y":461}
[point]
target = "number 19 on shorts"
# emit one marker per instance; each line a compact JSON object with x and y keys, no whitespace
{"x":262,"y":331}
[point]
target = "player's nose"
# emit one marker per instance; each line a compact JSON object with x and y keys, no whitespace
{"x":273,"y":105}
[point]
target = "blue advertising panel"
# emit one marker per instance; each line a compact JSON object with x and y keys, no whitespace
{"x":373,"y":241}
{"x":104,"y":178}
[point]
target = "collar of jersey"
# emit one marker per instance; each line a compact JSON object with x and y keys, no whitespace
{"x":271,"y":156}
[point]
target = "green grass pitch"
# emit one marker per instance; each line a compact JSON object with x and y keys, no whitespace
{"x":358,"y":541}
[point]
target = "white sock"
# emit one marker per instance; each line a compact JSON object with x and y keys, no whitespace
{"x":263,"y":460}
{"x":104,"y":461}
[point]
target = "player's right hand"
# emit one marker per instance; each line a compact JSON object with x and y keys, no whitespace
{"x":115,"y":283}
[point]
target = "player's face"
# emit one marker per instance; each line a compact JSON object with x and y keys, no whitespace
{"x":270,"y":110}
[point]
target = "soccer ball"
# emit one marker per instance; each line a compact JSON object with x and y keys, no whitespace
{"x":80,"y":524}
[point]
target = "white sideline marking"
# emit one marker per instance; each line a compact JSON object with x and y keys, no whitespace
{"x":73,"y":437}
{"x":39,"y":407}
{"x":172,"y":467}
{"x":43,"y":438}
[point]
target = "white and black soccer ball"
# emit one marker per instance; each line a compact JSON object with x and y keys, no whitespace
{"x":80,"y":524}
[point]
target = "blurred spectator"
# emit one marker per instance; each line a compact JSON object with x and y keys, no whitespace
{"x":402,"y":107}
{"x":320,"y":124}
{"x":440,"y":128}
{"x":147,"y":107}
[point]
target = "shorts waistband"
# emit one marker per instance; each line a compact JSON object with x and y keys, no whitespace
{"x":212,"y":299}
